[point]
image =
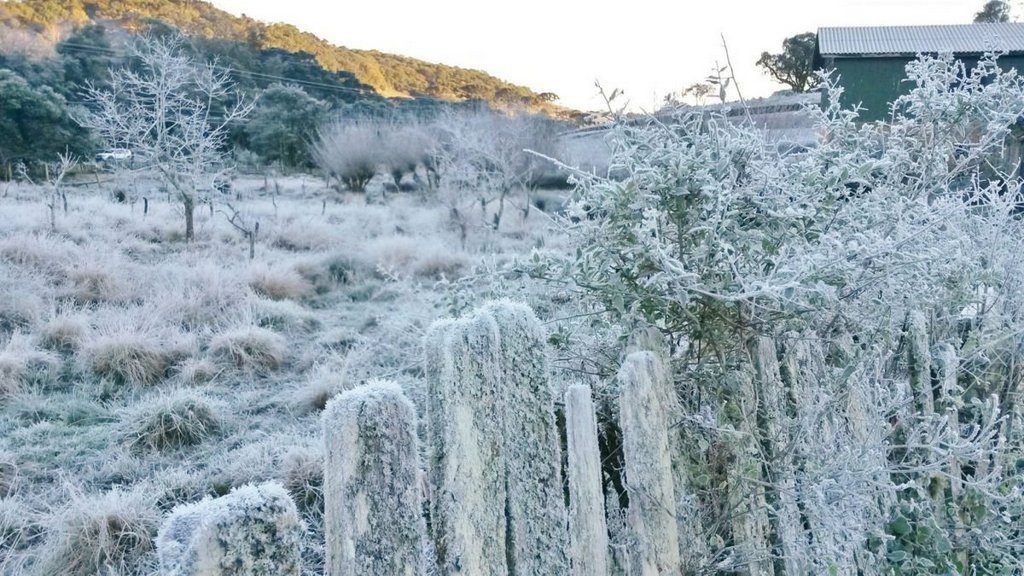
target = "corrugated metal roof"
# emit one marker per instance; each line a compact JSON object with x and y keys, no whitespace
{"x":959,"y":38}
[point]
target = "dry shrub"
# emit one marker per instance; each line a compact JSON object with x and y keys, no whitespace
{"x":171,"y":421}
{"x":64,"y":332}
{"x":323,"y":382}
{"x":279,"y":283}
{"x":101,"y":534}
{"x":23,"y":365}
{"x":202,"y":296}
{"x":302,"y":474}
{"x":250,"y":348}
{"x":134,"y":356}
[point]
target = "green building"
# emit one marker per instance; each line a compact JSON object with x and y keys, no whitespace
{"x":871,"y":61}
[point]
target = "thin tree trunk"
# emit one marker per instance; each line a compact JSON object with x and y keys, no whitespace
{"x":190,"y":233}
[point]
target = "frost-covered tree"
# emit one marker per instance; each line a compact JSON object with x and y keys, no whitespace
{"x":253,"y":531}
{"x":481,"y":158}
{"x":173,"y":113}
{"x":845,"y":321}
{"x":372,"y":502}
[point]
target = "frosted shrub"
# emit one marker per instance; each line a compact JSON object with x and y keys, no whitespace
{"x":253,"y":531}
{"x":495,"y":464}
{"x":743,"y":253}
{"x":373,"y":510}
{"x":302,"y":474}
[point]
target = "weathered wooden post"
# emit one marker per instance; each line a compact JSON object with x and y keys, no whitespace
{"x":588,"y":531}
{"x":372,"y":502}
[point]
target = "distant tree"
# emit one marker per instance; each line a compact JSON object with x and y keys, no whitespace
{"x":994,"y":11}
{"x":283,"y":123}
{"x":699,"y":91}
{"x":35,"y":124}
{"x":169,"y":111}
{"x":87,"y":57}
{"x":794,"y":67}
{"x":482,"y":155}
{"x":353,"y":150}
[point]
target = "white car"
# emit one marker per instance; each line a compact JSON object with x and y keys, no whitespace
{"x":114,"y":155}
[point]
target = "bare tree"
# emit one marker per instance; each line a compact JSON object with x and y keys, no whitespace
{"x":485,"y":153}
{"x":57,"y":171}
{"x":249,"y":228}
{"x":173,"y":114}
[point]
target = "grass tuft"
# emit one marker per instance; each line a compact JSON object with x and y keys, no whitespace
{"x":132,"y":356}
{"x":110,"y":533}
{"x":278,"y":283}
{"x":171,"y":421}
{"x":250,"y":348}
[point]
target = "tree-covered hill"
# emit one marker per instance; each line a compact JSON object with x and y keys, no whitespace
{"x":387,"y":74}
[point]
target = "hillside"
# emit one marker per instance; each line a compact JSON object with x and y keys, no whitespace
{"x":387,"y":74}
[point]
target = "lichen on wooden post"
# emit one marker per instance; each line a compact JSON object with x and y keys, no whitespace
{"x":253,"y":531}
{"x":373,"y":516}
{"x":467,"y":463}
{"x":496,"y":491}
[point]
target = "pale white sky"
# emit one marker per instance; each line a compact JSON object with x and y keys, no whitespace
{"x":645,"y":47}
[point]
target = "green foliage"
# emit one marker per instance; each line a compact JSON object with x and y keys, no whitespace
{"x":35,"y":123}
{"x":384,"y":74}
{"x":283,"y":123}
{"x":994,"y":11}
{"x":794,"y":67}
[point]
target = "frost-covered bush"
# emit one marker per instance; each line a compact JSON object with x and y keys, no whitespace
{"x":253,"y":531}
{"x":495,"y":465}
{"x":372,"y":493}
{"x":853,"y":263}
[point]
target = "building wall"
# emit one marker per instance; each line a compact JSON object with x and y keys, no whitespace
{"x":875,"y":82}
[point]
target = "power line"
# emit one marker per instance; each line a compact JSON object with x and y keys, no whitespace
{"x":110,"y":52}
{"x":422,"y":102}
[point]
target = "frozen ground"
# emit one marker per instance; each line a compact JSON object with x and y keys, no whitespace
{"x":138,"y":372}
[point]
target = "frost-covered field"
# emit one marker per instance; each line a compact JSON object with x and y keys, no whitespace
{"x":138,"y":371}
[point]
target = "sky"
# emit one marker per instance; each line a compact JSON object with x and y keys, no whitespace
{"x":646,"y":48}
